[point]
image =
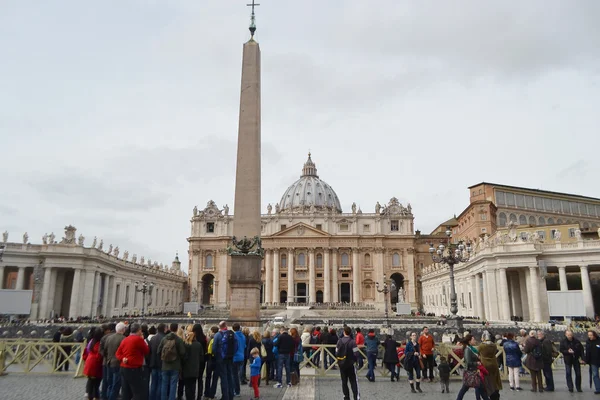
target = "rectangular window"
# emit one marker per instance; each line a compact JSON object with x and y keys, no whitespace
{"x":539,"y":203}
{"x":565,"y":207}
{"x":284,"y":275}
{"x":483,"y":217}
{"x":542,"y":235}
{"x":552,"y":232}
{"x":547,"y":204}
{"x":320,"y":227}
{"x":520,"y":200}
{"x":529,"y":201}
{"x":574,"y":208}
{"x":345,"y":275}
{"x":500,"y":198}
{"x":210,"y":227}
{"x":319,"y":275}
{"x":395,"y":225}
{"x":584,"y":209}
{"x":555,"y":205}
{"x":510,"y":199}
{"x":571,"y":232}
{"x":283,"y":227}
{"x":524,"y":236}
{"x":483,"y":230}
{"x":367,"y":228}
{"x":344,"y":228}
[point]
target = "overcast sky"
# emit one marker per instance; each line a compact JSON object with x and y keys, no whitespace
{"x":118,"y":117}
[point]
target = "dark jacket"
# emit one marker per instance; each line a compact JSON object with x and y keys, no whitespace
{"x":155,"y":361}
{"x":577,"y":347}
{"x":110,"y":349}
{"x":444,"y":369}
{"x":548,"y":351}
{"x":346,"y":346}
{"x":391,"y":354}
{"x":252,"y":344}
{"x":286,"y":344}
{"x":531,"y":362}
{"x":410,"y":360}
{"x":372,"y":343}
{"x":513,"y":354}
{"x":178,"y":362}
{"x":194,"y":356}
{"x":592,"y":352}
{"x":268,"y":343}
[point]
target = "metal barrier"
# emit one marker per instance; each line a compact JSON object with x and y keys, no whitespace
{"x":40,"y":356}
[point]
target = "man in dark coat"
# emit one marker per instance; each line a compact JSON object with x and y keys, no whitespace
{"x":548,"y":355}
{"x":572,"y":350}
{"x":345,"y":353}
{"x":533,"y":349}
{"x":592,"y":358}
{"x":155,"y":363}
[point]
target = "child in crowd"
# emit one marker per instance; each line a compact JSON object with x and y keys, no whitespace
{"x":255,"y":371}
{"x":444,"y":372}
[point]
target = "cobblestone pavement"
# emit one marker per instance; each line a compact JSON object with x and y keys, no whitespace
{"x":65,"y":387}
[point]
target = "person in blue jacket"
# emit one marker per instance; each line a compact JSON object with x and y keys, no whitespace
{"x":255,"y":371}
{"x":238,"y":358}
{"x":513,"y":361}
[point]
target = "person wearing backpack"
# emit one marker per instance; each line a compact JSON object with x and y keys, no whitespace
{"x":238,"y":358}
{"x":549,"y":353}
{"x":172,"y":355}
{"x":345,"y":353}
{"x":534,"y":361}
{"x":285,"y":344}
{"x":155,"y":362}
{"x":224,"y":347}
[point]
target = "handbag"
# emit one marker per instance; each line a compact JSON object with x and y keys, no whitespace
{"x":263,"y":352}
{"x":471,"y":378}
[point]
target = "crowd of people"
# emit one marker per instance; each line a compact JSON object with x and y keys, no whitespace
{"x":172,"y":362}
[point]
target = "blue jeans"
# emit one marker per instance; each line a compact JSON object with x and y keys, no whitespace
{"x":479,"y":393}
{"x":168,"y":384}
{"x":417,"y":372}
{"x":225,"y":370}
{"x":114,"y":383}
{"x":104,"y":392}
{"x":284,"y":359}
{"x":211,"y":376}
{"x":596,"y":377}
{"x":237,"y":366}
{"x":577,"y":369}
{"x":548,"y":376}
{"x":372,"y":359}
{"x":155,"y":384}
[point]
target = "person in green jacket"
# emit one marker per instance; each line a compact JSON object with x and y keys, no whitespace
{"x":172,"y":353}
{"x":194,"y":352}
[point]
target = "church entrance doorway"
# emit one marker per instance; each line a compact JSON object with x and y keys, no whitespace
{"x":301,"y":293}
{"x":345,"y":293}
{"x":398,"y":280}
{"x":208,"y":283}
{"x":283,"y":297}
{"x":319,"y":296}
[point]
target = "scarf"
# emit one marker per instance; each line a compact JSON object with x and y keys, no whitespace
{"x":474,"y":350}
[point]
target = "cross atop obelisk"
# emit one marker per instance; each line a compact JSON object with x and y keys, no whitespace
{"x":252,"y":19}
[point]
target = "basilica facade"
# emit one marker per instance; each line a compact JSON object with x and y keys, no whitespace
{"x":314,"y":252}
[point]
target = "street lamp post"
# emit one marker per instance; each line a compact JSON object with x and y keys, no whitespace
{"x":385,"y":289}
{"x":451,"y":254}
{"x":144,"y":287}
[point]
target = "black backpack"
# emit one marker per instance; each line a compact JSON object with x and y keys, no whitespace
{"x":345,"y":358}
{"x":537,"y":352}
{"x":228,"y":345}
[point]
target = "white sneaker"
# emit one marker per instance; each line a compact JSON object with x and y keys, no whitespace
{"x":277,"y":385}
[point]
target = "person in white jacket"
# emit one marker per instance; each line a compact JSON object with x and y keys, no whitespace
{"x":305,"y":337}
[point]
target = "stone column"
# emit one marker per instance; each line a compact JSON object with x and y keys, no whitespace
{"x":515,"y":295}
{"x":492,"y":294}
{"x":356,"y":281}
{"x":312,"y":284}
{"x":562,"y":276}
{"x":326,"y":277}
{"x":474,"y":307}
{"x":505,"y":301}
{"x":586,"y":286}
{"x":105,"y":295}
{"x":74,"y":305}
{"x":276,"y":276}
{"x":88,"y":293}
{"x":222,"y":298}
{"x":20,"y":278}
{"x":486,"y":296}
{"x":195,"y":272}
{"x":379,"y":297}
{"x":291,"y":295}
{"x":335,"y":297}
{"x":45,"y":305}
{"x":268,"y":276}
{"x":535,"y":293}
{"x":1,"y":277}
{"x":525,"y":294}
{"x":95,"y":294}
{"x":412,"y":281}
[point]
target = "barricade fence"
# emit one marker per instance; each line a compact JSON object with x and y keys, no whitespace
{"x":41,"y":356}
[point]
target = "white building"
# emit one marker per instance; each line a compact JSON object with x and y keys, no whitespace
{"x":71,"y":280}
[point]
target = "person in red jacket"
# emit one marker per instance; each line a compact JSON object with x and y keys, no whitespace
{"x":427,"y":345}
{"x":360,"y":343}
{"x":131,"y":353}
{"x":93,"y":365}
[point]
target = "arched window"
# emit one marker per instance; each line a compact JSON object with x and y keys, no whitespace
{"x":301,"y":259}
{"x":550,"y":221}
{"x":502,"y":219}
{"x":532,"y":221}
{"x":542,"y":221}
{"x":367,"y":259}
{"x":319,"y":260}
{"x":395,"y":260}
{"x":586,"y":225}
{"x":560,"y":221}
{"x":284,"y":261}
{"x":512,"y":218}
{"x":345,"y":260}
{"x":209,"y":261}
{"x":522,"y":220}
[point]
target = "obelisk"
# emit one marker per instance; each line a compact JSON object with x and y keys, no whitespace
{"x":246,"y":250}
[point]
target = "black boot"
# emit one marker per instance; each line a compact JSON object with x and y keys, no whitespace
{"x":419,"y":387}
{"x":412,"y":388}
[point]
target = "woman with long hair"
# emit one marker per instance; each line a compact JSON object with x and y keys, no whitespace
{"x":471,"y":376}
{"x":93,"y":365}
{"x":296,"y":357}
{"x":211,"y":366}
{"x":268,"y":361}
{"x":487,"y":355}
{"x":412,"y":363}
{"x":201,"y":337}
{"x":194,"y":357}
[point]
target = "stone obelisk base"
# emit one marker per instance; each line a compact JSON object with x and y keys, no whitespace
{"x":244,"y":303}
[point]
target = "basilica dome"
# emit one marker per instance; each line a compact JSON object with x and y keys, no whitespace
{"x":309,"y":192}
